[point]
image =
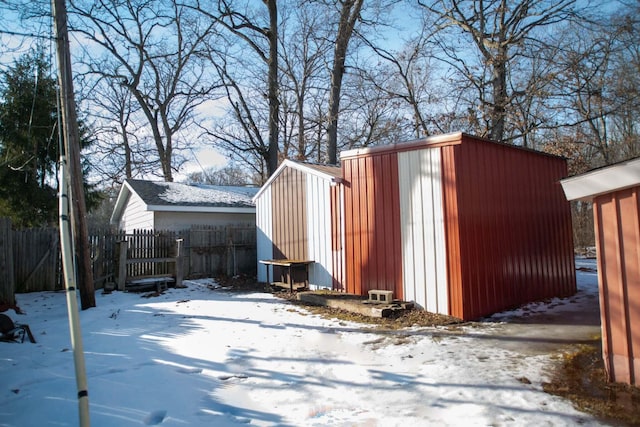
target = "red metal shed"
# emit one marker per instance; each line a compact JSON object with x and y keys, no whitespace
{"x":615,"y":193}
{"x":458,"y":224}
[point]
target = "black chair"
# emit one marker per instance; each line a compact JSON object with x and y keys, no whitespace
{"x":10,"y":331}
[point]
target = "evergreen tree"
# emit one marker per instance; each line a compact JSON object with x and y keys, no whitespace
{"x":29,"y":149}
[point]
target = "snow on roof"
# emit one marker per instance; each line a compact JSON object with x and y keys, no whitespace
{"x":171,"y":196}
{"x":176,"y":194}
{"x":181,"y":194}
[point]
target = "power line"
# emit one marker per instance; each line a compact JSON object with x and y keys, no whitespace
{"x":37,"y":36}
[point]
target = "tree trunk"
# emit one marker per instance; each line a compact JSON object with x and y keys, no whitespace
{"x":348,"y":16}
{"x":499,"y":108}
{"x":274,"y":103}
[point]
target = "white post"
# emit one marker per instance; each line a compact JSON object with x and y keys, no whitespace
{"x":72,"y":299}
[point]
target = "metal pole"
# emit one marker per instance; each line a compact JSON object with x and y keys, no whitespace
{"x":72,"y":299}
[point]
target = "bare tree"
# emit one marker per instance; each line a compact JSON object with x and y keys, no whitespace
{"x":586,"y":61}
{"x":304,"y":48}
{"x":349,"y":16}
{"x":500,"y":31}
{"x":406,"y":76}
{"x":249,"y":26}
{"x":600,"y":74}
{"x":241,"y":130}
{"x":370,"y":117}
{"x":120,"y":150}
{"x":157,"y":50}
{"x":228,"y":175}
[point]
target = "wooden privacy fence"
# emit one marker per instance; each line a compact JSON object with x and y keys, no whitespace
{"x":36,"y":260}
{"x":207,"y":251}
{"x":30,"y":259}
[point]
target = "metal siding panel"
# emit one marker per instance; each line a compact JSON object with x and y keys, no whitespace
{"x":439,"y":233}
{"x":602,"y":283}
{"x":630,"y":237}
{"x":632,"y":269}
{"x":375,"y":197}
{"x":264,"y":232}
{"x":367,"y":227}
{"x":360,"y":225}
{"x":372,"y":279}
{"x":347,"y":218}
{"x":507,"y":260}
{"x":452,"y":230}
{"x":371,"y":225}
{"x":405,"y":179}
{"x":319,"y":231}
{"x":612,"y":277}
{"x":353,"y":223}
{"x":289,"y":216}
{"x":422,"y":229}
{"x":465,"y":188}
{"x":498,"y":284}
{"x":394,"y":225}
{"x":388,"y":219}
{"x":338,"y":236}
{"x":618,"y":240}
{"x":510,"y":259}
{"x":420,"y":218}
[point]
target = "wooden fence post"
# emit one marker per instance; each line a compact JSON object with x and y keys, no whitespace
{"x":179,"y":262}
{"x":122,"y":265}
{"x":7,"y":279}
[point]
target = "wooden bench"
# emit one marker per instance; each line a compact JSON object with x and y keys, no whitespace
{"x":291,"y":266}
{"x":158,"y":283}
{"x":161,"y":281}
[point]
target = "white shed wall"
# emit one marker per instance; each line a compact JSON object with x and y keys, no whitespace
{"x":422,"y":228}
{"x":176,"y":221}
{"x":135,"y":216}
{"x":319,"y":232}
{"x":264,"y":231}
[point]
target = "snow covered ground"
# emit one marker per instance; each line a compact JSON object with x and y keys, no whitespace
{"x":203,"y":357}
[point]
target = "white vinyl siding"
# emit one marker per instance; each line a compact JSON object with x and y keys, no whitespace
{"x":135,"y":216}
{"x":176,"y":221}
{"x":422,"y":228}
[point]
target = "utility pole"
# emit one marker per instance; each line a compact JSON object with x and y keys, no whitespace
{"x":72,"y":150}
{"x":75,"y":199}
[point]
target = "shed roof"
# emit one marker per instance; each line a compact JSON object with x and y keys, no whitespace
{"x":603,"y":180}
{"x":176,"y":197}
{"x":446,"y":139}
{"x":326,"y":172}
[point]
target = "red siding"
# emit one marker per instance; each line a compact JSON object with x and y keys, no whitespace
{"x":507,"y":224}
{"x":514,"y":228}
{"x":617,"y":225}
{"x":373,"y":254}
{"x":452,"y":228}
